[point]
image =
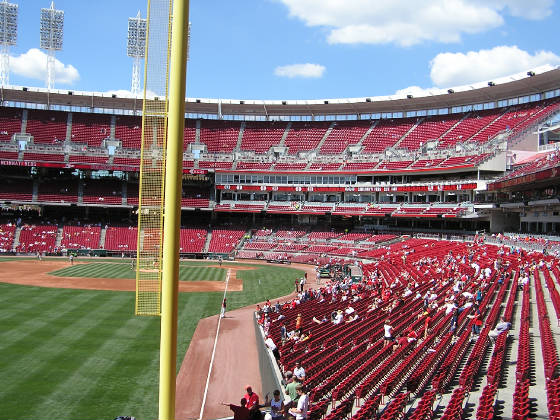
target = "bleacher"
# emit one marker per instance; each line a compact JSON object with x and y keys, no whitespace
{"x":259,"y":137}
{"x":10,"y":123}
{"x":80,"y":237}
{"x":43,"y":157}
{"x":128,"y":130}
{"x":7,"y":235}
{"x":342,"y":135}
{"x":349,"y":370}
{"x":219,"y":136}
{"x":90,"y":129}
{"x":48,"y":127}
{"x":192,"y":240}
{"x":540,"y":163}
{"x":305,"y":136}
{"x":37,"y":238}
{"x":121,"y":239}
{"x":224,"y":241}
{"x":385,"y":134}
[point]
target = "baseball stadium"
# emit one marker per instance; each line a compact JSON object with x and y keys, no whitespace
{"x":382,"y":257}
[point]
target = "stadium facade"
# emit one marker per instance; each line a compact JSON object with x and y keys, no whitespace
{"x":470,"y":159}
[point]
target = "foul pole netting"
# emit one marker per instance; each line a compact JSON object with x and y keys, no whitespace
{"x":152,"y":162}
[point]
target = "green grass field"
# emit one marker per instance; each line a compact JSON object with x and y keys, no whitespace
{"x":70,"y":354}
{"x":121,"y":270}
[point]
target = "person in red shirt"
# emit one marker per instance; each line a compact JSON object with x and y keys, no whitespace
{"x":251,"y":398}
{"x":240,"y":412}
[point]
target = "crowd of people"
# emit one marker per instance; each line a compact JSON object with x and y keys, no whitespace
{"x":445,"y":284}
{"x":294,"y":404}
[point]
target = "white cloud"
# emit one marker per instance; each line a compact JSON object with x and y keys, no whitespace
{"x":452,"y":69}
{"x":33,"y":65}
{"x":409,"y":22}
{"x":306,"y":70}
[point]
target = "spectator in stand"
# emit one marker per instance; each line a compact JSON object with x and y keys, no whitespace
{"x":291,"y":387}
{"x":240,"y":412}
{"x":276,"y":406}
{"x":251,"y":397}
{"x":338,"y":317}
{"x":387,"y":333}
{"x":299,"y":372}
{"x":283,"y":333}
{"x":300,"y":411}
{"x":299,"y":323}
{"x":501,"y":327}
{"x":272,"y":346}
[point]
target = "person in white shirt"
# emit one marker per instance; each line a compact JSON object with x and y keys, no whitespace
{"x":300,"y":412}
{"x":387,"y":333}
{"x":272,"y":346}
{"x":299,"y":372}
{"x":338,"y":318}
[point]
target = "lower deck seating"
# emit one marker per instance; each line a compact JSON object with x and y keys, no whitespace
{"x":7,"y":234}
{"x":224,"y":241}
{"x":37,"y":238}
{"x":122,"y":239}
{"x":80,"y":237}
{"x":192,"y":240}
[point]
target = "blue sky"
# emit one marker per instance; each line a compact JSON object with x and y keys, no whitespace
{"x":303,"y":49}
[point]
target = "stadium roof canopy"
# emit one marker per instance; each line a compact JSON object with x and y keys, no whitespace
{"x":523,"y":84}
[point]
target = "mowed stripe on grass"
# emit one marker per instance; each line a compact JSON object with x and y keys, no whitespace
{"x":70,"y":354}
{"x":123,"y":271}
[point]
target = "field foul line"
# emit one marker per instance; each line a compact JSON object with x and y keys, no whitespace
{"x":213,"y":353}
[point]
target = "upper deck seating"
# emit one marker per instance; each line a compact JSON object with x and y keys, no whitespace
{"x":47,"y":126}
{"x":189,"y":133}
{"x":429,"y":129}
{"x":43,"y":157}
{"x":305,"y":136}
{"x":385,"y":134}
{"x":469,"y":126}
{"x":344,"y":134}
{"x":219,"y":136}
{"x":90,"y":128}
{"x":259,"y":137}
{"x":128,"y":129}
{"x":10,"y":122}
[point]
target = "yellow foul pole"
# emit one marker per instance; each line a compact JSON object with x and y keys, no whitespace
{"x":172,"y":210}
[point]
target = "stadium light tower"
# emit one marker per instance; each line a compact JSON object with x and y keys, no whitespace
{"x":52,"y":30}
{"x":136,"y":48}
{"x":8,"y":37}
